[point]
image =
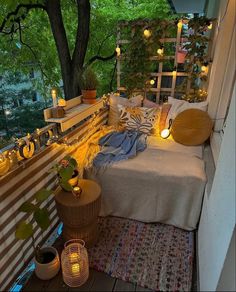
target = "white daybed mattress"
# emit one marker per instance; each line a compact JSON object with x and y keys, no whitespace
{"x":165,"y":183}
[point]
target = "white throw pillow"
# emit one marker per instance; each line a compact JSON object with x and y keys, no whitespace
{"x":115,"y":100}
{"x":178,"y":106}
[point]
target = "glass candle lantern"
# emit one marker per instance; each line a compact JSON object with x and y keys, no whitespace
{"x":74,"y":263}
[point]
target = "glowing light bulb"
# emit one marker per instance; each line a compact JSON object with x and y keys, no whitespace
{"x":174,"y":72}
{"x":74,"y":256}
{"x":118,"y":51}
{"x":209,"y":26}
{"x":147,"y":33}
{"x":160,"y":51}
{"x":152,"y":82}
{"x":165,"y":133}
{"x":180,"y":24}
{"x":75,"y":268}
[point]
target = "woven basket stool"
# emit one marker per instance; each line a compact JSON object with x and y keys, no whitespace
{"x":79,"y":215}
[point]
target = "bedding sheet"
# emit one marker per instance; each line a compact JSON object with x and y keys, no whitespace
{"x":162,"y":184}
{"x":169,"y":144}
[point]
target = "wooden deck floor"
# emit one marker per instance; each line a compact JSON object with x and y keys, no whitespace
{"x":97,"y":281}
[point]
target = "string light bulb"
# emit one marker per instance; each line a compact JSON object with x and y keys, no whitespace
{"x":174,"y":72}
{"x":147,"y":33}
{"x":118,"y":51}
{"x":210,"y":26}
{"x":204,"y":67}
{"x":152,"y":82}
{"x":160,"y":51}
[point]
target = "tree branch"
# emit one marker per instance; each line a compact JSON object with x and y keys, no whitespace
{"x":32,"y":51}
{"x":100,"y":58}
{"x":15,"y":12}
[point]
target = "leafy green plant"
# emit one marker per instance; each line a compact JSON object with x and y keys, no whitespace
{"x":88,"y":79}
{"x":25,"y":229}
{"x":65,"y":170}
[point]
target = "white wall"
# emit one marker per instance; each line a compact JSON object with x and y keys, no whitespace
{"x":218,"y":216}
{"x":227,"y":278}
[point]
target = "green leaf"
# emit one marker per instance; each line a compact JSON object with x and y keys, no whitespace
{"x":41,"y":216}
{"x":66,"y":186}
{"x":27,"y":207}
{"x":66,"y":173}
{"x":42,"y":195}
{"x":73,"y":162}
{"x":24,"y":230}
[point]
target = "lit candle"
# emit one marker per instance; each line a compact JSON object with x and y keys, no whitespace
{"x":77,"y":191}
{"x":54,"y":97}
{"x":75,"y":268}
{"x":180,"y":24}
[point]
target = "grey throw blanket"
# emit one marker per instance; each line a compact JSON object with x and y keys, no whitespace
{"x":118,"y":146}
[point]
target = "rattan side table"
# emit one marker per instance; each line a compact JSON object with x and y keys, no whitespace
{"x":80,"y":215}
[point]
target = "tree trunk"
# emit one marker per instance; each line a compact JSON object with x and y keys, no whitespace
{"x":70,"y":67}
{"x":81,"y":43}
{"x":53,"y":9}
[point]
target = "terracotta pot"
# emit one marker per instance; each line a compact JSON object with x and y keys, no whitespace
{"x":181,"y":56}
{"x":89,"y":94}
{"x":46,"y":271}
{"x":89,"y":100}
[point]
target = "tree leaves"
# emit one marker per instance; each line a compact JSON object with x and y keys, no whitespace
{"x":24,"y":230}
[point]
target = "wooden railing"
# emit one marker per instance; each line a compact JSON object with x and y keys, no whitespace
{"x":20,"y":185}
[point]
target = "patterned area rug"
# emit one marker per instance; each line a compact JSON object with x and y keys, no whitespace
{"x":155,"y":256}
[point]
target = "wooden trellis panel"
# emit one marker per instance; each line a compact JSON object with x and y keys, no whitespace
{"x":160,"y":74}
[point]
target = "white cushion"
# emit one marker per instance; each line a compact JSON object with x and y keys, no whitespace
{"x":178,"y":106}
{"x":114,"y":101}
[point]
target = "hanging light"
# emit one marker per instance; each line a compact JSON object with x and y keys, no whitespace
{"x":147,"y":33}
{"x":160,"y":51}
{"x":118,"y":51}
{"x":166,"y":132}
{"x":180,"y":24}
{"x":204,"y":67}
{"x":210,"y":26}
{"x":174,"y":72}
{"x":152,"y":82}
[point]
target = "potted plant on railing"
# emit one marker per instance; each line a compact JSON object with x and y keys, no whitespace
{"x":67,"y":173}
{"x":88,"y":84}
{"x":47,"y":263}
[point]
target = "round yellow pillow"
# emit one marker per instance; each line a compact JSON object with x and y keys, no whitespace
{"x":192,"y":127}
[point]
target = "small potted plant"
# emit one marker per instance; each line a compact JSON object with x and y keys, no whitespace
{"x":67,"y":173}
{"x":88,"y":85}
{"x":47,"y":263}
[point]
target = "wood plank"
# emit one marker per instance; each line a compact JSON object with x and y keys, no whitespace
{"x":57,"y":283}
{"x":124,"y":286}
{"x":88,"y":285}
{"x":102,"y":282}
{"x":35,"y":284}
